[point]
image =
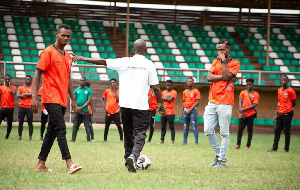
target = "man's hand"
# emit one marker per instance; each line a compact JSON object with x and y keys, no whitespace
{"x":221,"y":56}
{"x":243,"y":115}
{"x":34,"y":105}
{"x":162,"y":109}
{"x":79,"y":110}
{"x":233,"y":79}
{"x":241,"y":110}
{"x":74,"y":107}
{"x":188,"y":112}
{"x":76,"y":58}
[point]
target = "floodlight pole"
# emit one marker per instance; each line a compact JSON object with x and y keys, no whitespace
{"x":127,"y":28}
{"x":268,"y":32}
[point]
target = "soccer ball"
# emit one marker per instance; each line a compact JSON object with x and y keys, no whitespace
{"x":143,"y":162}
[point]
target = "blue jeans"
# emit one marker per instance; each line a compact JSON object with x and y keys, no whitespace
{"x":186,"y":122}
{"x":212,"y":114}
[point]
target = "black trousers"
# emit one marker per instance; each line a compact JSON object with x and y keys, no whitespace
{"x":135,"y":126}
{"x":9,"y":114}
{"x":164,"y":120}
{"x":108,"y":119}
{"x":152,"y":124}
{"x":242,"y":124}
{"x":44,"y":120}
{"x":283,"y":122}
{"x":78,"y":118}
{"x":56,"y":129}
{"x":21,"y":115}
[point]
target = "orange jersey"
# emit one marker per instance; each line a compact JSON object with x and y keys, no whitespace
{"x":7,"y":97}
{"x":112,"y":105}
{"x":25,"y":102}
{"x":152,"y":99}
{"x":219,"y":93}
{"x":190,"y":97}
{"x":169,"y":105}
{"x":90,"y":108}
{"x":285,"y":100}
{"x":56,"y":70}
{"x":40,"y":93}
{"x":247,"y":102}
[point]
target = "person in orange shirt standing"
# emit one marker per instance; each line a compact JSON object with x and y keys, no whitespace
{"x":191,"y":99}
{"x":7,"y":92}
{"x":152,"y":108}
{"x":284,"y":114}
{"x":24,"y":94}
{"x":168,"y":97}
{"x":112,"y":108}
{"x":248,"y":100}
{"x":222,"y":76}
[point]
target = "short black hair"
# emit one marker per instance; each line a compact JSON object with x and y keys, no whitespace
{"x":28,"y":76}
{"x":226,"y":42}
{"x":83,"y":77}
{"x":113,"y":79}
{"x":7,"y":75}
{"x":190,"y":78}
{"x":169,"y":81}
{"x":65,"y":26}
{"x":250,"y":80}
{"x":88,"y":84}
{"x":285,"y":76}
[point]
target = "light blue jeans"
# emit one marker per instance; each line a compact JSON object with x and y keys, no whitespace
{"x":212,"y":114}
{"x":186,"y":123}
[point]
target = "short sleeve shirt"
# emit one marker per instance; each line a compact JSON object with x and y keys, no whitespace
{"x":190,"y":97}
{"x":169,"y":105}
{"x":112,"y":105}
{"x":7,"y":97}
{"x":247,"y":102}
{"x":136,"y":74}
{"x":285,"y":98}
{"x":82,"y":95}
{"x":25,"y":102}
{"x":218,"y":93}
{"x":56,"y":69}
{"x":152,"y":99}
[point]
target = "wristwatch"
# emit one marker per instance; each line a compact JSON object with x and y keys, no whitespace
{"x":224,"y":61}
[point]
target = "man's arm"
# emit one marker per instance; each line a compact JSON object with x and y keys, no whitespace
{"x":86,"y":104}
{"x":293,"y":103}
{"x":103,"y":103}
{"x":157,"y":93}
{"x":182,"y":109}
{"x":96,"y":61}
{"x":168,"y":99}
{"x":11,"y":89}
{"x":24,"y":95}
{"x":34,"y":91}
{"x":71,"y":94}
{"x":211,"y":77}
{"x":195,"y":105}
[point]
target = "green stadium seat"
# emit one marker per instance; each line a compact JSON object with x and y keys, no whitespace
{"x":242,"y":67}
{"x":75,"y":47}
{"x":24,"y":52}
{"x":266,"y":68}
{"x":84,"y":48}
{"x":8,"y":58}
{"x":112,"y":56}
{"x":259,"y":121}
{"x":167,"y":65}
{"x":245,"y":61}
{"x":4,"y":44}
{"x":250,"y":67}
{"x":269,"y":122}
{"x":109,"y":49}
{"x":171,"y":58}
{"x":277,"y":82}
{"x":162,"y":58}
{"x":200,"y":120}
{"x":274,"y":76}
{"x":292,"y":69}
{"x":26,"y":59}
{"x":104,"y":55}
{"x":167,"y":51}
{"x":235,"y":47}
{"x":94,"y":77}
{"x":196,"y":59}
{"x":275,"y":68}
{"x":3,"y":30}
{"x":200,"y":66}
{"x":81,"y":41}
{"x":295,"y":62}
{"x":175,"y":65}
{"x":86,"y":54}
{"x":106,"y":42}
{"x":234,"y":121}
{"x":10,"y":66}
{"x":192,"y":65}
{"x":11,"y":73}
{"x":6,"y":51}
{"x":35,"y":59}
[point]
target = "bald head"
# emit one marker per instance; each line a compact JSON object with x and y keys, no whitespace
{"x":139,"y":47}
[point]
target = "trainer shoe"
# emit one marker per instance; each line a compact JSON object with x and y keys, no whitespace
{"x":131,"y":163}
{"x":285,"y":151}
{"x":71,"y":141}
{"x":247,"y":148}
{"x":236,"y":147}
{"x":272,"y":150}
{"x":215,"y":161}
{"x":220,"y":164}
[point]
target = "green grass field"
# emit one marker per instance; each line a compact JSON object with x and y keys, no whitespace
{"x":173,"y":167}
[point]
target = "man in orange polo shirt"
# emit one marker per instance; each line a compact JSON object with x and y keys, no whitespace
{"x":191,"y":99}
{"x":284,"y":114}
{"x":168,"y":97}
{"x":7,"y":92}
{"x":24,"y":95}
{"x":55,"y":64}
{"x":248,"y":100}
{"x":152,"y":108}
{"x":222,"y":76}
{"x":112,"y":108}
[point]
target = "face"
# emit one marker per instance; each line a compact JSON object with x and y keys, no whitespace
{"x":284,"y":81}
{"x":223,"y":49}
{"x":63,"y":36}
{"x":249,"y":85}
{"x":190,"y":82}
{"x":7,"y":80}
{"x":82,"y":82}
{"x":113,"y":84}
{"x":28,"y":80}
{"x":169,"y":86}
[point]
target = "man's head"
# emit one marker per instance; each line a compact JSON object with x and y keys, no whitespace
{"x":169,"y":85}
{"x":113,"y":83}
{"x":190,"y":81}
{"x":139,"y":47}
{"x":88,"y":84}
{"x":250,"y":84}
{"x":28,"y":80}
{"x":82,"y":82}
{"x":7,"y":80}
{"x":223,"y":47}
{"x":284,"y":80}
{"x":63,"y":34}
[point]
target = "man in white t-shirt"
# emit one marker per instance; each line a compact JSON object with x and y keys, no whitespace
{"x":136,"y":74}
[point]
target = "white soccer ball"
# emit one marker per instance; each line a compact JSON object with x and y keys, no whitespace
{"x":143,"y":162}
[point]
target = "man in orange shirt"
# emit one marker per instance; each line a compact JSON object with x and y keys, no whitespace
{"x":112,"y":108}
{"x":284,"y":114}
{"x":24,"y":95}
{"x":191,"y":99}
{"x":7,"y":92}
{"x":55,"y":64}
{"x":222,"y":76}
{"x":248,"y":100}
{"x":152,"y":108}
{"x":168,"y":97}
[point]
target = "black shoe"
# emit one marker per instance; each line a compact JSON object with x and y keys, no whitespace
{"x":215,"y":161}
{"x":131,"y":163}
{"x":71,"y":141}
